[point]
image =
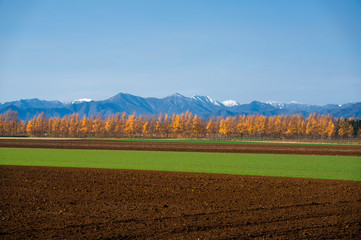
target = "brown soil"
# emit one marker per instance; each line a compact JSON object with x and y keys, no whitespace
{"x":185,"y":147}
{"x":74,"y":203}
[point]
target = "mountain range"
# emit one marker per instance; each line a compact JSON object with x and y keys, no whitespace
{"x":175,"y":104}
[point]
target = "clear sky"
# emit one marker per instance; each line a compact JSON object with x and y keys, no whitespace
{"x":307,"y":51}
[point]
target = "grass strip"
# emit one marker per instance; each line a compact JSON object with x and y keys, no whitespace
{"x":302,"y":166}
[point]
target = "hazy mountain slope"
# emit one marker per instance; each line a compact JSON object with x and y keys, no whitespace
{"x":175,"y":104}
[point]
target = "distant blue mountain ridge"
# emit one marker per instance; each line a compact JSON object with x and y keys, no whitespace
{"x":203,"y":106}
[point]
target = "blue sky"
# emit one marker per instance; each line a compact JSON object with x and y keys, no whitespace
{"x":307,"y":51}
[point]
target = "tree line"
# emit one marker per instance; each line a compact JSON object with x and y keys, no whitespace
{"x":185,"y":125}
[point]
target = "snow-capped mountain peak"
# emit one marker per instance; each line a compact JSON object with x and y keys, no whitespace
{"x":271,"y":102}
{"x":178,"y":95}
{"x":275,"y":104}
{"x":230,"y":103}
{"x":81,"y":100}
{"x":207,"y":99}
{"x":281,"y":105}
{"x":294,"y":102}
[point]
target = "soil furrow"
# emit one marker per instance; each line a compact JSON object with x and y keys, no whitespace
{"x":74,"y":203}
{"x":343,"y":150}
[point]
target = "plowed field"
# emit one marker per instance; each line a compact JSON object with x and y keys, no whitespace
{"x":73,"y":203}
{"x":186,"y":147}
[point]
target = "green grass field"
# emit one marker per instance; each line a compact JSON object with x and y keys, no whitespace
{"x":303,"y":166}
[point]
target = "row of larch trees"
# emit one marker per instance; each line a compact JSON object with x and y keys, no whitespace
{"x":185,"y":125}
